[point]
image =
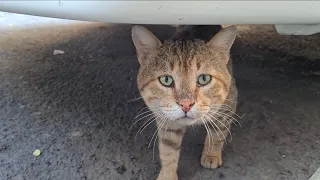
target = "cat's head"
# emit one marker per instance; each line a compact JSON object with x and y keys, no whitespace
{"x":183,"y":81}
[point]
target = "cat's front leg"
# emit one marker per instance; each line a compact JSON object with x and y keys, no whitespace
{"x":170,"y":139}
{"x":212,"y":152}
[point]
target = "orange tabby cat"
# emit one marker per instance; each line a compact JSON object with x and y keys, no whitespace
{"x":186,"y":81}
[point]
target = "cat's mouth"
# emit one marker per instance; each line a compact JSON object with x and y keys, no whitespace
{"x":186,"y":117}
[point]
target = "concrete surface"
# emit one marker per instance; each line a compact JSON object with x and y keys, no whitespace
{"x":77,"y":107}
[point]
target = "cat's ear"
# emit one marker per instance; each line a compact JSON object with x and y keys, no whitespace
{"x":223,"y":40}
{"x":144,"y":41}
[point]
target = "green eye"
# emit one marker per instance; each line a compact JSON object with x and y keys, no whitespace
{"x":166,"y":81}
{"x":204,"y":79}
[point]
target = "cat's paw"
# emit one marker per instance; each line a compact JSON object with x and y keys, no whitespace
{"x":167,"y":176}
{"x":210,"y":161}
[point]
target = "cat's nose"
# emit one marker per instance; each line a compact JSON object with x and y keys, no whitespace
{"x":186,"y":104}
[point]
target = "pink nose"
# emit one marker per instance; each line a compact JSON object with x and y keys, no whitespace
{"x":186,"y":104}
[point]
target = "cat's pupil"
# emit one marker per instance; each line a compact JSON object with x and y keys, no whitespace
{"x":204,"y":78}
{"x":166,"y":79}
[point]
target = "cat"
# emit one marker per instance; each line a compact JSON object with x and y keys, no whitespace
{"x":185,"y":81}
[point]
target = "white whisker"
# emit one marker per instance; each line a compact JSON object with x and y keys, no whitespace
{"x":208,"y":133}
{"x":215,"y":125}
{"x":229,"y":109}
{"x":206,"y":129}
{"x":222,"y":124}
{"x":159,"y":126}
{"x":230,"y":117}
{"x":149,"y":121}
{"x":154,"y":143}
{"x":148,"y":111}
{"x":227,"y":119}
{"x":140,"y":120}
{"x":141,"y":110}
{"x":221,"y":105}
{"x":162,"y":122}
{"x":134,"y":99}
{"x":212,"y":125}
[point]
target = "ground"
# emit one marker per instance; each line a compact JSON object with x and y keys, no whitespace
{"x":77,"y":107}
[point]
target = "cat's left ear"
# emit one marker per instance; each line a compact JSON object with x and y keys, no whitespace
{"x":144,"y":41}
{"x":223,"y":40}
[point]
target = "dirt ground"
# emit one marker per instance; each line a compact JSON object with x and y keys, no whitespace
{"x":77,"y":107}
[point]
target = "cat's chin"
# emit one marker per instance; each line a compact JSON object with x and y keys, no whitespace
{"x":186,"y":121}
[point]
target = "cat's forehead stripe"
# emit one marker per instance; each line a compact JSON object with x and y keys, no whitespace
{"x":180,"y":54}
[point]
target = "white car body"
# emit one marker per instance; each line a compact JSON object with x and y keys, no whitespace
{"x":289,"y":17}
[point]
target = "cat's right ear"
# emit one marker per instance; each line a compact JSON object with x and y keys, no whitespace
{"x":224,"y":39}
{"x":144,"y":41}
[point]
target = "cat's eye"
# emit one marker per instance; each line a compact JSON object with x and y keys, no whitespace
{"x":204,"y":79}
{"x":166,"y":81}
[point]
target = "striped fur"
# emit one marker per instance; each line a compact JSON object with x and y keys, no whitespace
{"x":184,"y":57}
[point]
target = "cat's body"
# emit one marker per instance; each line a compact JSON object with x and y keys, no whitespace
{"x":187,"y":80}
